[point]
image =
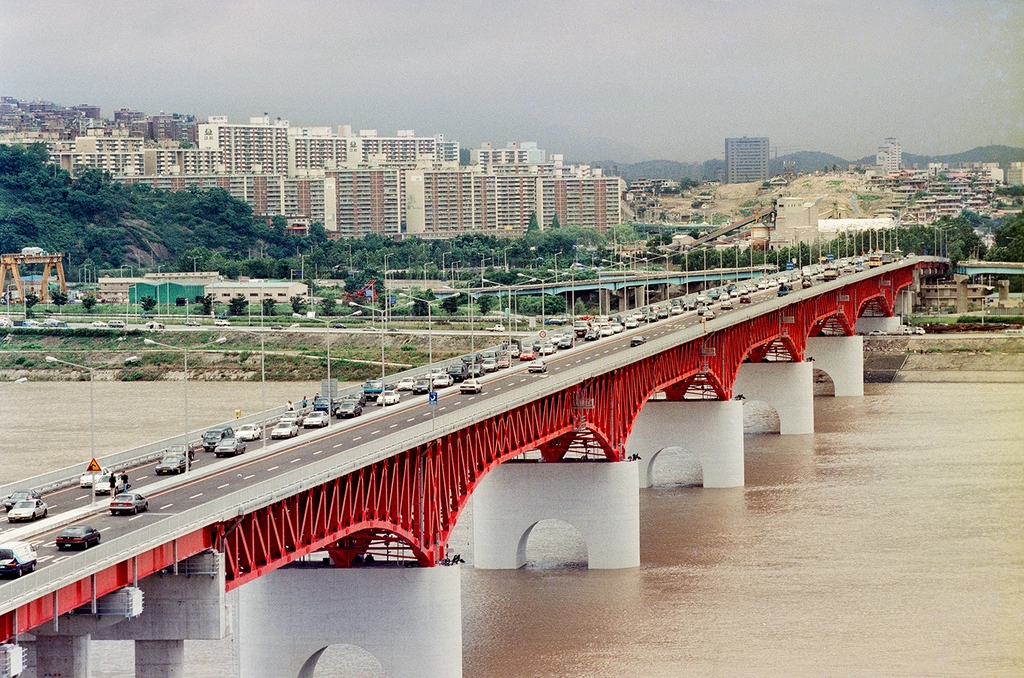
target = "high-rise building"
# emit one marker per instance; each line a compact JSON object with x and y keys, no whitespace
{"x":1015,"y":175}
{"x":515,"y":153}
{"x":889,"y":157}
{"x":746,"y":159}
{"x":261,"y":147}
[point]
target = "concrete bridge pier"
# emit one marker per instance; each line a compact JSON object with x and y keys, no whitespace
{"x":604,"y":301}
{"x":710,"y":429}
{"x":57,"y":655}
{"x":599,"y":499}
{"x":409,"y":619}
{"x":842,"y":358}
{"x":868,"y":324}
{"x":788,"y":387}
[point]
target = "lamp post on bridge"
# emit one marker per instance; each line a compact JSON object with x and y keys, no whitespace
{"x":92,"y":407}
{"x":381,"y":311}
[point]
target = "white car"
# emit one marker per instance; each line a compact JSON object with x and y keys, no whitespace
{"x":471,"y":386}
{"x":496,"y":328}
{"x":99,"y":323}
{"x":30,"y":509}
{"x":89,"y":478}
{"x":632,"y":323}
{"x":316,"y":420}
{"x":547,"y":349}
{"x":537,"y":366}
{"x":442,"y":380}
{"x":390,"y":397}
{"x":249,"y":432}
{"x":405,"y":384}
{"x":284,"y":429}
{"x":222,"y":322}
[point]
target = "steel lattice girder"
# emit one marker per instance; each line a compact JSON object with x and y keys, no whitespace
{"x":416,"y":496}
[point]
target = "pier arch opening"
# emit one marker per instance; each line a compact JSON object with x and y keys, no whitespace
{"x":676,"y":467}
{"x":552,"y":543}
{"x":342,"y":661}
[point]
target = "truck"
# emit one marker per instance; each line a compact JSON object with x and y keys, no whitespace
{"x":373,"y":388}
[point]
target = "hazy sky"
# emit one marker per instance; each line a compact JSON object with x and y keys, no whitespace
{"x":597,"y":79}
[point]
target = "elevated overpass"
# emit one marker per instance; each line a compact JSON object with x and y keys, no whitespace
{"x":402,"y":479}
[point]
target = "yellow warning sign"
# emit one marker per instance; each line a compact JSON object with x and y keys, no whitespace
{"x":93,"y":466}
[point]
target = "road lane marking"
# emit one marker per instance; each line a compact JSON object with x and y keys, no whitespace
{"x":249,"y":477}
{"x":321,"y":451}
{"x":196,"y":496}
{"x":410,"y":419}
{"x":163,"y":508}
{"x":81,"y":498}
{"x":295,"y":460}
{"x":104,"y":529}
{"x":142,"y":477}
{"x":393,"y":425}
{"x":497,"y":388}
{"x":273,"y":468}
{"x":356,"y":438}
{"x":373,"y":433}
{"x":43,"y":559}
{"x":136,"y":517}
{"x":57,"y":560}
{"x":221,"y":487}
{"x":445,"y":407}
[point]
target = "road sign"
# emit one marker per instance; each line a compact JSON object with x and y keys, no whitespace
{"x":831,"y":257}
{"x":432,"y":397}
{"x":392,"y":300}
{"x":789,"y":265}
{"x":543,"y":334}
{"x":94,"y":466}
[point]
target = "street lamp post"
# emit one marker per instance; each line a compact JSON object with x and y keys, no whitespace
{"x":381,"y":311}
{"x":430,"y":325}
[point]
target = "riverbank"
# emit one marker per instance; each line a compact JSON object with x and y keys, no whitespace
{"x":944,"y":358}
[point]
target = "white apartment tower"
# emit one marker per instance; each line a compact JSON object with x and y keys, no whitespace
{"x":746,"y":159}
{"x":889,"y":157}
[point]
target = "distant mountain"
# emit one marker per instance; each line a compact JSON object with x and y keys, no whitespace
{"x":801,"y":162}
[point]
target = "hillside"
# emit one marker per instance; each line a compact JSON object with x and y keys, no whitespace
{"x":802,"y":162}
{"x":93,"y":218}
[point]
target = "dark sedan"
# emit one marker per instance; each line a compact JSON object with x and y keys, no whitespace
{"x":348,"y":409}
{"x":421,"y":386}
{"x":172,"y":463}
{"x":638,"y":340}
{"x":128,"y":502}
{"x":20,"y":495}
{"x":77,"y":536}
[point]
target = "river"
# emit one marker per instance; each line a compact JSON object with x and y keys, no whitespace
{"x":889,"y":543}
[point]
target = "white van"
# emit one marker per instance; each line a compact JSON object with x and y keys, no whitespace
{"x":16,"y":558}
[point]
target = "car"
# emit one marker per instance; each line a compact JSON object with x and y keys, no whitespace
{"x":154,"y":325}
{"x":566,"y":342}
{"x":322,"y":404}
{"x":222,"y":322}
{"x":782,"y":291}
{"x":223,"y":316}
{"x":877,"y":333}
{"x":527,"y":354}
{"x":458,"y":371}
{"x":20,"y":495}
{"x":249,"y":432}
{"x":17,"y":558}
{"x":99,"y":323}
{"x":128,"y":502}
{"x":214,"y":436}
{"x":513,"y":351}
{"x":592,"y":335}
{"x":229,"y":447}
{"x":744,"y":298}
{"x":277,"y":327}
{"x":389,"y":397}
{"x":547,"y":348}
{"x":421,"y":386}
{"x":709,"y":314}
{"x":145,"y":315}
{"x":316,"y":420}
{"x":358,"y":396}
{"x":537,"y":366}
{"x":339,"y":326}
{"x":504,"y":361}
{"x":638,"y":340}
{"x":475,"y":371}
{"x":490,"y":365}
{"x":172,"y":463}
{"x":294,"y":416}
{"x":631,"y":323}
{"x":188,"y":451}
{"x":284,"y":429}
{"x":348,"y":409}
{"x":618,"y":328}
{"x":496,"y":328}
{"x":76,"y":536}
{"x":442,"y":381}
{"x":373,"y":387}
{"x":192,"y":323}
{"x":405,"y":384}
{"x":726,"y":305}
{"x":27,"y":509}
{"x":89,"y":477}
{"x":102,"y":484}
{"x":471,"y":386}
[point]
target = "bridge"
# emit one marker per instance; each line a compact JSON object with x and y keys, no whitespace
{"x":574,"y":443}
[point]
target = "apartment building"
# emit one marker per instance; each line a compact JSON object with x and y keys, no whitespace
{"x":367,"y":200}
{"x":746,"y":159}
{"x":261,"y":147}
{"x":1015,"y":175}
{"x":889,"y":157}
{"x":514,"y":153}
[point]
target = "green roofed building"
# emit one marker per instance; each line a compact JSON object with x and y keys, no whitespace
{"x":165,"y":292}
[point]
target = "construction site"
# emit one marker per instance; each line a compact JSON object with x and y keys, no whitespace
{"x":15,"y":285}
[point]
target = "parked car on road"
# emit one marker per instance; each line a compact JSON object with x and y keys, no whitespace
{"x":284,"y":429}
{"x":229,"y":447}
{"x":496,"y":328}
{"x":527,"y":354}
{"x":471,"y":386}
{"x":212,"y":438}
{"x":28,"y":510}
{"x":348,"y":409}
{"x":89,"y":477}
{"x":249,"y":432}
{"x":316,"y":420}
{"x":172,"y":463}
{"x":421,"y":386}
{"x":20,"y":495}
{"x":405,"y":384}
{"x":128,"y":502}
{"x":78,"y":536}
{"x":17,"y":558}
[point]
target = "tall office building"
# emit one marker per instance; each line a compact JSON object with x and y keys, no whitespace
{"x":889,"y":156}
{"x":746,"y":159}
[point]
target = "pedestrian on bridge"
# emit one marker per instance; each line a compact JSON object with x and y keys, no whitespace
{"x":113,"y":484}
{"x":124,"y":481}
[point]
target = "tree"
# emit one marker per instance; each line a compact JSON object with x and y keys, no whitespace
{"x":450,"y":305}
{"x":555,"y":223}
{"x":533,"y":225}
{"x":30,"y":301}
{"x":420,"y":307}
{"x":487,"y":302}
{"x":147,"y":303}
{"x":88,"y":301}
{"x":327,"y":306}
{"x":207,"y":304}
{"x":268,"y":307}
{"x":237,"y":305}
{"x":298,"y":304}
{"x":59,"y":299}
